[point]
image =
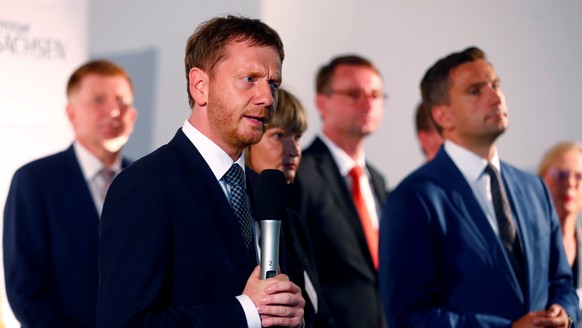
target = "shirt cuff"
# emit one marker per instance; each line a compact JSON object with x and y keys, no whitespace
{"x":251,"y":313}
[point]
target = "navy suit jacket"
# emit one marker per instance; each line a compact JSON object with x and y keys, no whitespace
{"x":346,"y":271}
{"x":442,"y":265}
{"x":171,"y":252}
{"x":50,"y":244}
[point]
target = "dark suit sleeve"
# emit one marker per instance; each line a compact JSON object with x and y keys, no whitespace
{"x":136,"y":264}
{"x":409,"y":275}
{"x":26,"y":246}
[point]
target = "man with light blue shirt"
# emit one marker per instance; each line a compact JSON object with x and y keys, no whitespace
{"x":52,"y":212}
{"x":468,"y":240}
{"x":177,"y":243}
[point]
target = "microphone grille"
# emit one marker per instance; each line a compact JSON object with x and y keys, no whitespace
{"x":271,"y":195}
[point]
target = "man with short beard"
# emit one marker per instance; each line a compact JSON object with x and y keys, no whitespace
{"x":51,"y":217}
{"x":468,"y":240}
{"x":177,"y":243}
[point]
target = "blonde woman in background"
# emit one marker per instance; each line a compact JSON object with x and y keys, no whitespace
{"x":280,"y":149}
{"x":561,"y":168}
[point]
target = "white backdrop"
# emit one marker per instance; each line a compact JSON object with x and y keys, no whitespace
{"x":41,"y":42}
{"x":533,"y":44}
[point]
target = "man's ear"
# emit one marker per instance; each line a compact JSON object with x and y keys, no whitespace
{"x":321,"y":104}
{"x":70,"y":110}
{"x":442,"y":116}
{"x":198,"y":86}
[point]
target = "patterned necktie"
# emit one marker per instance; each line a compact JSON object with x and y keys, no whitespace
{"x":369,"y":231}
{"x":106,"y":176}
{"x":507,"y":232}
{"x":239,"y":202}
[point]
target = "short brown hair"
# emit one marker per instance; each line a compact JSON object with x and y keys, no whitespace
{"x":205,"y":48}
{"x":100,"y":67}
{"x":325,"y":73}
{"x":436,"y":82}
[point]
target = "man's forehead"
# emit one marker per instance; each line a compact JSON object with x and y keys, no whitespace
{"x":473,"y":72}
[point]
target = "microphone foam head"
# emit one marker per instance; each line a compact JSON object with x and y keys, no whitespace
{"x":271,"y":195}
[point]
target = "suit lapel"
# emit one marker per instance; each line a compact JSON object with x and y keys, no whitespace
{"x":329,"y":170}
{"x":516,"y":197}
{"x":80,"y":193}
{"x":200,"y":174}
{"x":378,"y":188}
{"x":473,"y":215}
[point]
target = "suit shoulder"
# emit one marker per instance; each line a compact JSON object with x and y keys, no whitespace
{"x":518,"y":175}
{"x":423,"y":179}
{"x":153,"y":159}
{"x":45,"y":165}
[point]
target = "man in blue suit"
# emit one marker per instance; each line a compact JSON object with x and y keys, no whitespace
{"x":172,"y":251}
{"x":51,"y":217}
{"x":467,"y":240}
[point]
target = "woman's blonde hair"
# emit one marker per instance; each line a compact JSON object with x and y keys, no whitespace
{"x":556,"y":151}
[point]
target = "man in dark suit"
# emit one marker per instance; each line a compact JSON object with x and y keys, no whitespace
{"x":350,"y":100}
{"x":51,"y":217}
{"x":177,"y":244}
{"x":468,"y":240}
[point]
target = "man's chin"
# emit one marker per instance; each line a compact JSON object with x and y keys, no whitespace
{"x":114,"y":145}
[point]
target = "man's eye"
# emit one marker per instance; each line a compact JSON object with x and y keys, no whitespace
{"x":249,"y":79}
{"x":274,"y":86}
{"x":99,"y":100}
{"x":475,"y":91}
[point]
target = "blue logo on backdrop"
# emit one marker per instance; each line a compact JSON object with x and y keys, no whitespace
{"x":16,"y":40}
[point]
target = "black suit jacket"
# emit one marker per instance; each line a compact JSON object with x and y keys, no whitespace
{"x":50,"y":244}
{"x":171,"y":252}
{"x":301,"y":262}
{"x":346,"y":272}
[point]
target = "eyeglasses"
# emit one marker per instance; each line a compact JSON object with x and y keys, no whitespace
{"x":565,"y":175}
{"x":356,"y":95}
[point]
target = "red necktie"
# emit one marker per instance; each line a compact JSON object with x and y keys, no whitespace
{"x":369,"y":231}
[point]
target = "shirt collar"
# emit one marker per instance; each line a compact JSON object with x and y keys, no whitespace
{"x":215,"y":157}
{"x":90,"y":164}
{"x":344,"y":162}
{"x":469,"y":163}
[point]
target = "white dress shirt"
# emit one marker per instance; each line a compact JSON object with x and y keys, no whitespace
{"x":91,"y":166}
{"x":345,"y":164}
{"x":472,"y":166}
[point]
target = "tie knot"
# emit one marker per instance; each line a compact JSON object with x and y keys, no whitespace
{"x":356,"y":172}
{"x":107,"y":175}
{"x":491,"y":170}
{"x":234,"y":176}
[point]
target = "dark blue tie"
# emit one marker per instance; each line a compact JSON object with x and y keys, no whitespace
{"x":239,"y":202}
{"x":507,"y":232}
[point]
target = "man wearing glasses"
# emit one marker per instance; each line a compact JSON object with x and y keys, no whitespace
{"x":341,"y":193}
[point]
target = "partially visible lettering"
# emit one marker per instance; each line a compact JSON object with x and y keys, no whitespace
{"x":14,"y":26}
{"x":16,"y":41}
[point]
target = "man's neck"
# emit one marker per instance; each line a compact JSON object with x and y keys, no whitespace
{"x":354,"y":148}
{"x":201,"y":125}
{"x":106,"y":157}
{"x":484,"y":149}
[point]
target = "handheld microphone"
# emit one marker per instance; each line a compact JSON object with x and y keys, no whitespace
{"x":270,"y":205}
